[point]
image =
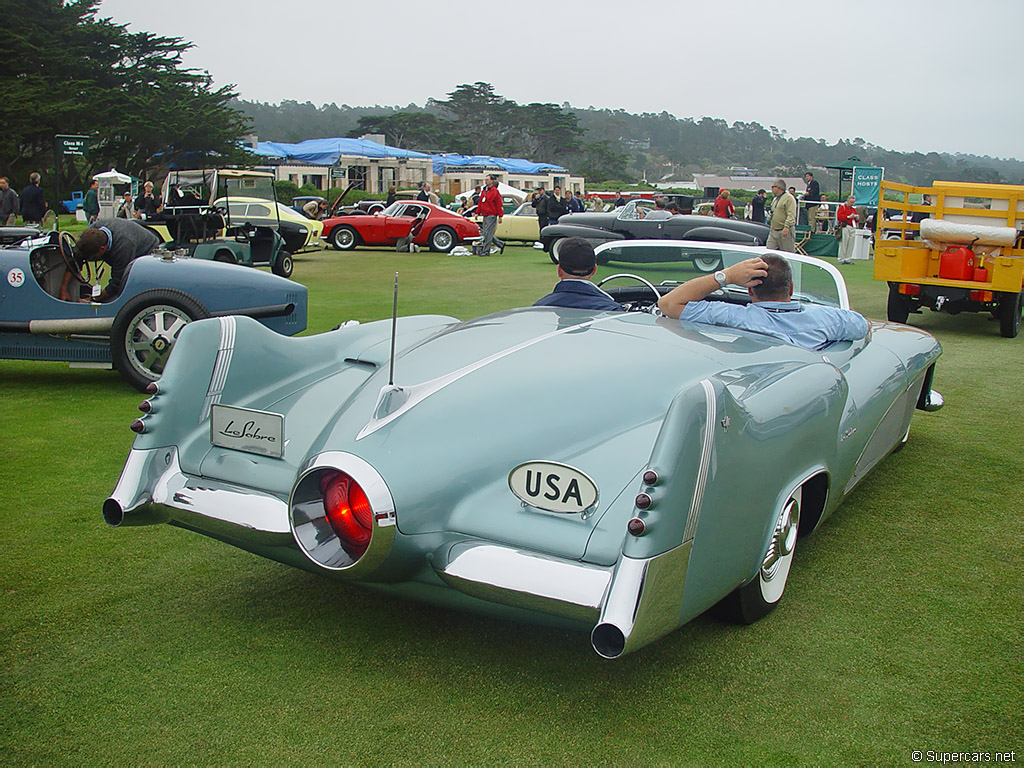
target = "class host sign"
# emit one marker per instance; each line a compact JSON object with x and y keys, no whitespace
{"x":71,"y":145}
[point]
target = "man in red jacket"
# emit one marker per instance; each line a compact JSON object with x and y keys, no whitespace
{"x":492,"y":210}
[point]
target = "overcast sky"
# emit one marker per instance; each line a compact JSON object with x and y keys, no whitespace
{"x":924,"y":75}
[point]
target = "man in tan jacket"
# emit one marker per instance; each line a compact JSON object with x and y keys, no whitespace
{"x":783,"y":220}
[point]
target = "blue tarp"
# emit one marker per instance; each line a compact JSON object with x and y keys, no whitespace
{"x":510,"y":164}
{"x":327,"y":151}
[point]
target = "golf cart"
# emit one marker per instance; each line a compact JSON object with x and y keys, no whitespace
{"x":223,"y":232}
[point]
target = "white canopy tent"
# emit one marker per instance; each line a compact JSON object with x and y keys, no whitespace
{"x":503,"y":188}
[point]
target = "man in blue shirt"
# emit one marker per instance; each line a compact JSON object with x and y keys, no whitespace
{"x":576,"y":267}
{"x":769,"y":280}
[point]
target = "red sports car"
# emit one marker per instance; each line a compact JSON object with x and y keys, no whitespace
{"x":429,"y":225}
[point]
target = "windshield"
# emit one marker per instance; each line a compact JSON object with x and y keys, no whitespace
{"x":669,"y":262}
{"x":393,"y":209}
{"x":635,"y":209}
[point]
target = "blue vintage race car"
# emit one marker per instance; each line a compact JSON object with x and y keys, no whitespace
{"x":616,"y":472}
{"x":137,"y":330}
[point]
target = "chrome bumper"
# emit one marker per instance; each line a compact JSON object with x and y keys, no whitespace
{"x":632,"y":604}
{"x":629,"y":604}
{"x":153,"y":489}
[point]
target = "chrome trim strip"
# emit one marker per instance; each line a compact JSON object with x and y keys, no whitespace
{"x":705,"y":460}
{"x":417,"y":393}
{"x":153,"y":479}
{"x":220,"y":366}
{"x":524,"y":579}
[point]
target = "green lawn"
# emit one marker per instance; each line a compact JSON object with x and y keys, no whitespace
{"x":900,"y":629}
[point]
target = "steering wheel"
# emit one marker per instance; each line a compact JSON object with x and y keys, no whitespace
{"x":654,"y":291}
{"x":66,"y":246}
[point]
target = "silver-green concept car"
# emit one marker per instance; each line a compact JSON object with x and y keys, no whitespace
{"x":615,"y":472}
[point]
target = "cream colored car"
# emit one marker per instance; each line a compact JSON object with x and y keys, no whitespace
{"x":521,"y":224}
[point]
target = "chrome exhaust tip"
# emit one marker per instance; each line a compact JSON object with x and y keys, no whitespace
{"x":608,"y":640}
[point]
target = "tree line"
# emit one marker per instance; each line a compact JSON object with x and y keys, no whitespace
{"x":66,"y":72}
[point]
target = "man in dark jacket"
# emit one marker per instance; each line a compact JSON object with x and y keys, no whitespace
{"x":91,"y":203}
{"x":757,"y":206}
{"x":556,"y":206}
{"x":9,"y":204}
{"x":576,"y":267}
{"x":540,"y":203}
{"x":33,"y":206}
{"x":118,"y":242}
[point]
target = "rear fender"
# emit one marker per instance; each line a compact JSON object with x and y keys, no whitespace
{"x":239,"y":361}
{"x":721,"y":235}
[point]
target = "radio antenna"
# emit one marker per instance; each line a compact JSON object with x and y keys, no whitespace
{"x":394,"y":329}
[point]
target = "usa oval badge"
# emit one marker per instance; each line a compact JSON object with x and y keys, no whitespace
{"x":553,"y":487}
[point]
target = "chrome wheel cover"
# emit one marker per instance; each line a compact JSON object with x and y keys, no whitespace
{"x":779,"y":557}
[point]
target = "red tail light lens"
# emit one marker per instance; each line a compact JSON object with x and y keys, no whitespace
{"x":348,"y":511}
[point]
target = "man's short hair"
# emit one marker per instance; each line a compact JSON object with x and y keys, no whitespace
{"x":33,"y":178}
{"x":576,"y":257}
{"x":780,"y":183}
{"x":89,"y":244}
{"x":659,"y":202}
{"x":808,"y":173}
{"x":775,"y":285}
{"x":762,"y":192}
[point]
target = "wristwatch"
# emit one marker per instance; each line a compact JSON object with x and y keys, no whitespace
{"x":720,"y":277}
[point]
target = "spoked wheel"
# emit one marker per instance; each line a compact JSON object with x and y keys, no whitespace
{"x":1010,"y":307}
{"x":442,"y":239}
{"x":707,"y":264}
{"x":760,"y":596}
{"x":145,"y":331}
{"x":344,"y":238}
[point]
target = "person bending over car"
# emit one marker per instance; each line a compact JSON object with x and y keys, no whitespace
{"x":772,"y":311}
{"x":118,"y":242}
{"x":576,"y":267}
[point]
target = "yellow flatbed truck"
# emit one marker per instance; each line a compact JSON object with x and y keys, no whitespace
{"x":960,"y":250}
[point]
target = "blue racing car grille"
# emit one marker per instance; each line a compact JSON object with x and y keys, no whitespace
{"x":293,"y":318}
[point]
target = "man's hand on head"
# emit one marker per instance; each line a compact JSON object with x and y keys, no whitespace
{"x":747,"y":273}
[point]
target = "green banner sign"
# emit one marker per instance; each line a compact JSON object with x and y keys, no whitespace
{"x":867,"y":181}
{"x":72,"y":145}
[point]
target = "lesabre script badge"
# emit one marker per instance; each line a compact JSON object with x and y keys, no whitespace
{"x":243,"y":429}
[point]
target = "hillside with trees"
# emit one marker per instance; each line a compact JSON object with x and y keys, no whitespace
{"x":607,"y":144}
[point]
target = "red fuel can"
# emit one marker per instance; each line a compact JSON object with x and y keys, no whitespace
{"x":980,"y":274}
{"x":957,"y":263}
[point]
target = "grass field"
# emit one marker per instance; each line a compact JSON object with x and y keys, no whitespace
{"x":900,"y":629}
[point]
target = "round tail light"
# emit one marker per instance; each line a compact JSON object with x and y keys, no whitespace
{"x":342,"y":514}
{"x":348,"y":511}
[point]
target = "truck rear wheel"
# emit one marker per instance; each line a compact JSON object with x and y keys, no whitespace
{"x":1010,"y":307}
{"x":897,"y":309}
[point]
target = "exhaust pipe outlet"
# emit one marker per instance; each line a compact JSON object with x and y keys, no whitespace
{"x":131,"y":502}
{"x":644,"y":602}
{"x":115,"y":516}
